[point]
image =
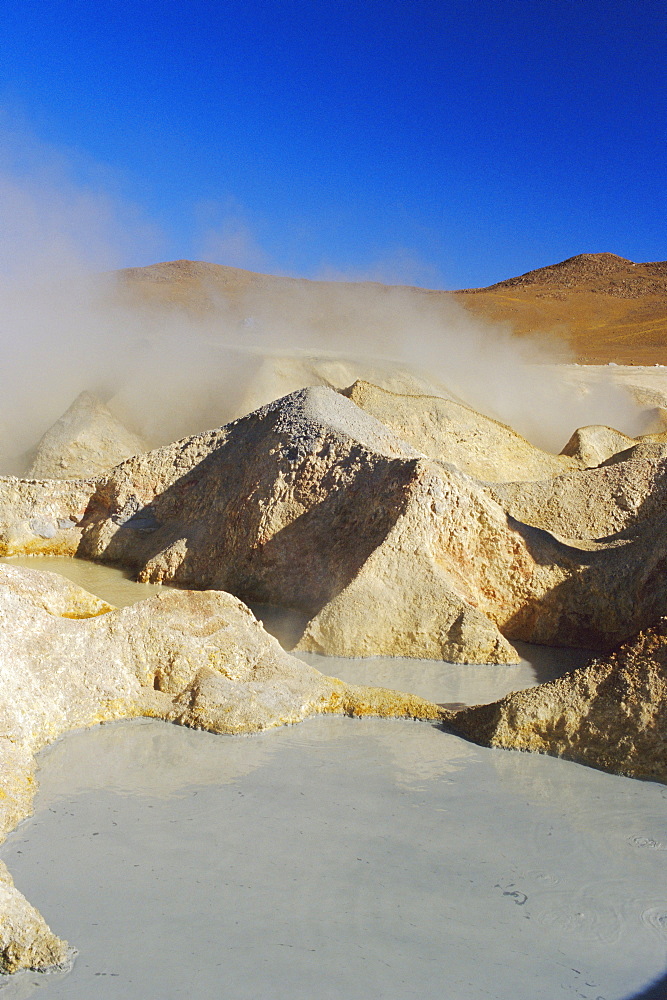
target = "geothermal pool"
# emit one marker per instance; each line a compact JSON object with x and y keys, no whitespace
{"x":341,"y":858}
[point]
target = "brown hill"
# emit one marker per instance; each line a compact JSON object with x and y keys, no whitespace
{"x":597,"y":272}
{"x":606,"y":308}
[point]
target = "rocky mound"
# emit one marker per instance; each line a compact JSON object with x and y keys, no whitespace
{"x":279,"y":375}
{"x":449,"y":431}
{"x":312,"y":503}
{"x":606,"y":308}
{"x":84,"y":442}
{"x":605,"y":273}
{"x":624,"y":492}
{"x":311,"y":498}
{"x":361,"y":511}
{"x":610,"y":714}
{"x":593,"y":445}
{"x":199,"y":659}
{"x":285,"y":507}
{"x":42,"y":517}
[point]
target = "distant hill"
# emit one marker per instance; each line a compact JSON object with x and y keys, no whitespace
{"x":606,"y":308}
{"x":597,"y":272}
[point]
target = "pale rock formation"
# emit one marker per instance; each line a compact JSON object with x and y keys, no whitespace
{"x":592,"y":446}
{"x":405,"y":600}
{"x":42,"y":517}
{"x":26,"y":941}
{"x":159,"y":657}
{"x":449,"y":431}
{"x":311,"y":502}
{"x":277,"y":375}
{"x":52,"y":592}
{"x":87,"y":440}
{"x":285,"y":507}
{"x":596,"y":443}
{"x":597,"y":503}
{"x":610,"y":714}
{"x":197,"y":658}
{"x":646,"y":385}
{"x":655,"y":420}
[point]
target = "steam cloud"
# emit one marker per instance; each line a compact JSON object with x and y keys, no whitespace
{"x":67,"y":325}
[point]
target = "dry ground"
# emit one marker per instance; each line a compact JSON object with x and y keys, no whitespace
{"x":606,"y":307}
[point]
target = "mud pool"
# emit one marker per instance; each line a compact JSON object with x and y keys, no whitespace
{"x":341,"y":858}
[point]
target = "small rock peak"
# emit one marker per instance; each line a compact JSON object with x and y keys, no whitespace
{"x":610,"y":259}
{"x":183,"y":271}
{"x":581,"y":266}
{"x":167,"y":270}
{"x":87,"y":400}
{"x":85,"y":441}
{"x":606,"y":273}
{"x":586,"y":264}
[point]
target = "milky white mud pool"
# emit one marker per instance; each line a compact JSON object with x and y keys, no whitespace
{"x":342,"y":858}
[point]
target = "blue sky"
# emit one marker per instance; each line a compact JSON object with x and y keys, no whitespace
{"x":446,"y":144}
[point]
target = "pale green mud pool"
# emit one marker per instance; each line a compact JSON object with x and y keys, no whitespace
{"x":344,"y":859}
{"x":108,"y":582}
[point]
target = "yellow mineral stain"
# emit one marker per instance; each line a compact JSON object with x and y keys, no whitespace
{"x":89,"y":614}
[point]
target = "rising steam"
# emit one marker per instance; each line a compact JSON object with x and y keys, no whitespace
{"x":167,"y":369}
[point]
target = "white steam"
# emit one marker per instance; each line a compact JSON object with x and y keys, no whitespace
{"x":168,"y":369}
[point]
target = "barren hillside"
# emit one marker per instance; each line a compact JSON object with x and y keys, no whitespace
{"x":606,"y":308}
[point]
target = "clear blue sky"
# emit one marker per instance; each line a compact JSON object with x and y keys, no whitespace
{"x":446,"y":143}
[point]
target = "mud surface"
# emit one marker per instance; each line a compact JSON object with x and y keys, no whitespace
{"x":343,"y":858}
